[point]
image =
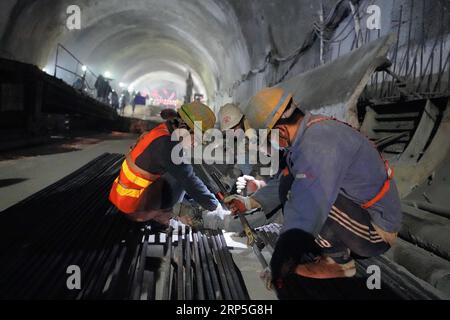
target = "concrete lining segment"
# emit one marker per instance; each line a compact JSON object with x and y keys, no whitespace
{"x":334,"y":88}
{"x":435,"y":155}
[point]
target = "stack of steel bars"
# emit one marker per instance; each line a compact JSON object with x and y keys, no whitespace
{"x":72,"y":224}
{"x":199,"y":266}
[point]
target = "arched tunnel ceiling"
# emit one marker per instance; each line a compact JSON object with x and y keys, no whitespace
{"x":137,"y":39}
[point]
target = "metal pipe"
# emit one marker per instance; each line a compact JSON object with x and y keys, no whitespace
{"x":189,"y":287}
{"x":168,"y":271}
{"x":205,"y":268}
{"x":198,"y":274}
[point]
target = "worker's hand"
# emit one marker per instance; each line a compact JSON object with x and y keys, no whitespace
{"x":250,"y":183}
{"x":220,"y":212}
{"x":163,"y":219}
{"x":266,"y":277}
{"x":214,"y":219}
{"x":291,"y":250}
{"x":239,"y":204}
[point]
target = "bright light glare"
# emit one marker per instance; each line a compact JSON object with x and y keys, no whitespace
{"x":107,"y":74}
{"x":84,"y":68}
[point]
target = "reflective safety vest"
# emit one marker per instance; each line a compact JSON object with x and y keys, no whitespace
{"x":128,"y":188}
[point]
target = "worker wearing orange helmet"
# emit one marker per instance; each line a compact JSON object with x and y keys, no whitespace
{"x":150,"y":183}
{"x":338,"y":195}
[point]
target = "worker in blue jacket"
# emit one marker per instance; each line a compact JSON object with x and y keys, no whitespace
{"x":339,"y":198}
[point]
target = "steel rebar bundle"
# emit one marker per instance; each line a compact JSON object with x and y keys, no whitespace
{"x":72,"y":223}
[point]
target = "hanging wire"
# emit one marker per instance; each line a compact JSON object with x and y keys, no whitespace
{"x":328,"y":26}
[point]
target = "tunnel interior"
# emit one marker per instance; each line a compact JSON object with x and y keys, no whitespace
{"x":141,"y":43}
{"x":383,"y":66}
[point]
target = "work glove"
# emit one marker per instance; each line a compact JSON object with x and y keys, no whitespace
{"x":294,"y":247}
{"x":215,"y":219}
{"x":250,"y":183}
{"x":238,"y":204}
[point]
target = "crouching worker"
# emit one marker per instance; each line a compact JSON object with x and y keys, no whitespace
{"x":339,"y":198}
{"x":150,"y":184}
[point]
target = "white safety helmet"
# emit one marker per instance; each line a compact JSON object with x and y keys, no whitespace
{"x":230,"y":116}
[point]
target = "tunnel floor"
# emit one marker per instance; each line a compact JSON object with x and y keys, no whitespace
{"x":72,"y":223}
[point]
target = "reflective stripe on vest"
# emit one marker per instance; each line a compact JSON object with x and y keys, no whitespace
{"x":389,"y":172}
{"x":128,"y":188}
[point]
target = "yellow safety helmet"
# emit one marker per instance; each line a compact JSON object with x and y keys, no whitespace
{"x":230,"y":116}
{"x":265,"y":109}
{"x":197,"y":112}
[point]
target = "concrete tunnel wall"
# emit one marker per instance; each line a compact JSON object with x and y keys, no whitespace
{"x":218,"y":40}
{"x":132,"y":39}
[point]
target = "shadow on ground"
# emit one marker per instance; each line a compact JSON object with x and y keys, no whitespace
{"x":10,"y":182}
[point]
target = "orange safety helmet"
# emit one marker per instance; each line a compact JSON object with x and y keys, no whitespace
{"x":265,"y":109}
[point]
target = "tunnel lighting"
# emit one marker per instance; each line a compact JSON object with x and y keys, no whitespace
{"x":107,"y":74}
{"x":130,"y":89}
{"x":84,"y":68}
{"x":122,"y":85}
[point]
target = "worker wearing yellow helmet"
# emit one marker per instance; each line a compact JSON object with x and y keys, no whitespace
{"x":150,"y":183}
{"x":338,"y":195}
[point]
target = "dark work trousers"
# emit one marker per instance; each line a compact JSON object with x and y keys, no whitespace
{"x":348,"y":231}
{"x":162,"y":194}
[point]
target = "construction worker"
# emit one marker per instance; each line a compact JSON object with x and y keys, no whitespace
{"x":339,"y":198}
{"x":232,"y":118}
{"x":150,"y":184}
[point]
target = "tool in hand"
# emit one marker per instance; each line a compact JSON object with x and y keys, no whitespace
{"x":252,"y":238}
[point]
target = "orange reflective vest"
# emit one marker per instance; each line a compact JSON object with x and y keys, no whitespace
{"x":128,"y":188}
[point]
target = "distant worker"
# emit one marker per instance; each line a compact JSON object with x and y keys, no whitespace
{"x":108,"y":91}
{"x":103,"y":89}
{"x":138,"y":100}
{"x":339,"y":198}
{"x":189,"y":88}
{"x":99,"y":86}
{"x":115,"y":100}
{"x":150,"y":184}
{"x":124,"y":100}
{"x":79,"y":85}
